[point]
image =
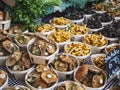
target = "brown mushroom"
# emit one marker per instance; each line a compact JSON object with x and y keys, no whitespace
{"x":61,"y":66}
{"x":49,"y":76}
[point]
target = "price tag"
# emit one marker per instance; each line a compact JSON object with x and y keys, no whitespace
{"x":112,"y":62}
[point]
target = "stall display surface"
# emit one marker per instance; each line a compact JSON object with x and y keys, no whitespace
{"x":12,"y":81}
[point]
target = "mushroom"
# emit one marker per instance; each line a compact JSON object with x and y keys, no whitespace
{"x":41,"y":68}
{"x":61,"y":66}
{"x":50,"y":48}
{"x":26,"y":62}
{"x":32,"y":77}
{"x":49,"y":76}
{"x":40,"y":84}
{"x":97,"y":81}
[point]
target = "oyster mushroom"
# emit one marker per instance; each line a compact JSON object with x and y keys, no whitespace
{"x":98,"y":81}
{"x":49,"y":76}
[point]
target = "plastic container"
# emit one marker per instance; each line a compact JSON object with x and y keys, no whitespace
{"x":94,"y":30}
{"x":5,"y":25}
{"x":87,"y":16}
{"x":112,"y":40}
{"x":78,"y":37}
{"x":77,"y":21}
{"x":96,"y":50}
{"x":117,"y":18}
{"x":100,"y":12}
{"x":106,"y":23}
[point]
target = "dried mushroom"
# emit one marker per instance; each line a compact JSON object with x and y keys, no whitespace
{"x":42,"y":77}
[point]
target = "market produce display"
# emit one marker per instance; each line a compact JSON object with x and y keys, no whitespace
{"x":70,"y":47}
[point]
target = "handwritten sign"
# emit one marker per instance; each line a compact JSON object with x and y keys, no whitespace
{"x":112,"y":61}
